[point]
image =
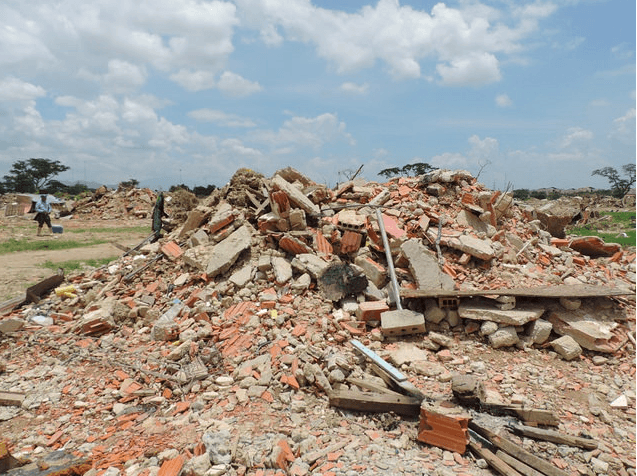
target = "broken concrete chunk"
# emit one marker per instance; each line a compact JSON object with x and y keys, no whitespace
{"x":433,"y":313}
{"x":407,"y":353}
{"x":555,"y":216}
{"x":487,"y":328}
{"x":200,"y":237}
{"x":195,"y":219}
{"x":539,"y":331}
{"x":310,"y":263}
{"x":504,"y":337}
{"x":242,"y":277}
{"x":592,"y":334}
{"x":296,"y":196}
{"x":424,"y":267}
{"x":282,"y":270}
{"x":570,"y":304}
{"x":10,"y":325}
{"x":473,"y":246}
{"x":467,"y":219}
{"x":567,"y":347}
{"x":483,"y":311}
{"x":374,"y":271}
{"x":225,"y":254}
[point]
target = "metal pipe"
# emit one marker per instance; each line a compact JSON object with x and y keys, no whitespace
{"x":390,"y":261}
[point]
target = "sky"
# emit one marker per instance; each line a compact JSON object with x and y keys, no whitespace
{"x":522,"y":94}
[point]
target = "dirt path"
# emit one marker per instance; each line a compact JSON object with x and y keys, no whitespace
{"x":20,"y":270}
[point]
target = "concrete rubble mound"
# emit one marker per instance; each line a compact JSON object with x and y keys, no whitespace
{"x":259,"y":337}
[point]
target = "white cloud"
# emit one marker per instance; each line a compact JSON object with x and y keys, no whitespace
{"x":234,"y":85}
{"x":194,"y":80}
{"x":503,"y":100}
{"x":464,"y":41}
{"x":123,"y":76}
{"x":221,"y":118}
{"x":14,"y":89}
{"x":624,"y":128}
{"x":599,"y":103}
{"x":575,"y":136}
{"x":355,"y":88}
{"x":307,"y":132}
{"x":476,"y":69}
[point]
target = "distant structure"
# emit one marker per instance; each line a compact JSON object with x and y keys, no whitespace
{"x":629,"y":199}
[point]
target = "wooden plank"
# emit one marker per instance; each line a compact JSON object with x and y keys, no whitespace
{"x":528,"y":415}
{"x":558,"y":291}
{"x":518,"y":452}
{"x":519,"y":466}
{"x":494,"y":461}
{"x":554,"y":437}
{"x":35,"y":292}
{"x":371,"y":386}
{"x":11,"y":398}
{"x":375,"y":402}
{"x":8,"y":306}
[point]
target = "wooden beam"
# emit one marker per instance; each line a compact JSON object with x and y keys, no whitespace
{"x":554,"y":437}
{"x":11,"y":398}
{"x":518,"y":452}
{"x":375,"y":402}
{"x":519,"y":466}
{"x":495,"y":462}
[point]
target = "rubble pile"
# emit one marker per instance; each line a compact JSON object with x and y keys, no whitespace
{"x":128,"y":203}
{"x":244,"y":341}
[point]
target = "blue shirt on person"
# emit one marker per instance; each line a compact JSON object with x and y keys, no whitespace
{"x":43,"y":207}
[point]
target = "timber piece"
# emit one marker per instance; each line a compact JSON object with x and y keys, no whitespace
{"x":528,"y":415}
{"x":7,"y":306}
{"x":35,"y":292}
{"x":371,"y":386}
{"x":11,"y":398}
{"x":554,"y":436}
{"x":518,"y":452}
{"x":558,"y":291}
{"x":375,"y":402}
{"x":496,"y":463}
{"x":519,"y":466}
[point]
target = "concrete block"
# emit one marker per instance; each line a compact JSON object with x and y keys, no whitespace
{"x":567,"y":347}
{"x":296,"y":196}
{"x":570,"y":304}
{"x":242,"y":277}
{"x":282,"y":270}
{"x":226,"y":253}
{"x":310,"y":263}
{"x":504,"y":337}
{"x":484,"y":311}
{"x":487,"y":328}
{"x":424,"y":267}
{"x":476,"y":247}
{"x":539,"y":331}
{"x":265,"y":263}
{"x":200,"y":237}
{"x":297,"y":219}
{"x":402,"y":322}
{"x":374,"y":271}
{"x":433,"y":313}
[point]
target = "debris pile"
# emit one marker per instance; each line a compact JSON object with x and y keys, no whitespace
{"x":245,"y":341}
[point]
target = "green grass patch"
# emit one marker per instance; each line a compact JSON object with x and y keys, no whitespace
{"x":13,"y":245}
{"x":76,"y":264}
{"x":625,"y":219}
{"x":612,"y":237}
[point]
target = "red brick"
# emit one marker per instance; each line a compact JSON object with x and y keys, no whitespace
{"x":351,"y":242}
{"x":371,"y":310}
{"x":172,"y":250}
{"x":171,"y":467}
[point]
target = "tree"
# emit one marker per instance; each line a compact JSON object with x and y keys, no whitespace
{"x":620,"y":186}
{"x":132,"y":183}
{"x":419,"y":168}
{"x":32,"y":175}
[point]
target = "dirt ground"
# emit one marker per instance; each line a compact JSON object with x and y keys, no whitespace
{"x":23,"y":269}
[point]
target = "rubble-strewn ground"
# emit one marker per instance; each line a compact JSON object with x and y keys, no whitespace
{"x":219,"y":357}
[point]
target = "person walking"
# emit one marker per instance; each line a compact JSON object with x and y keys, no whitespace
{"x":43,"y":213}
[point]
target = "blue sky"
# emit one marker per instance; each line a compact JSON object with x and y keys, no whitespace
{"x":530,"y":94}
